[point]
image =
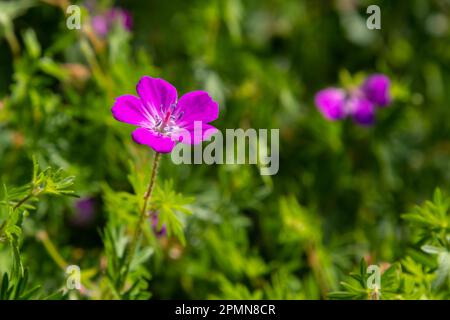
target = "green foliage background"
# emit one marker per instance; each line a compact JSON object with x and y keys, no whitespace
{"x":335,"y":205}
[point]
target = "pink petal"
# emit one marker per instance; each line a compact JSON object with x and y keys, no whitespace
{"x":196,"y":106}
{"x":195,"y":133}
{"x":129,"y":109}
{"x":158,"y":142}
{"x":156,"y":94}
{"x":362,"y":110}
{"x":377,"y":87}
{"x":331,"y":103}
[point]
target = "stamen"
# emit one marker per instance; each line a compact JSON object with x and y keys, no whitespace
{"x":180,"y":115}
{"x":166,"y":124}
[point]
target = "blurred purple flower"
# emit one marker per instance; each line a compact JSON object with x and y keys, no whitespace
{"x":154,"y":220}
{"x":330,"y":102}
{"x":103,"y":21}
{"x":361,"y":109}
{"x":163,"y":120}
{"x":84,"y":212}
{"x":360,"y":103}
{"x":120,"y":15}
{"x":376,"y":89}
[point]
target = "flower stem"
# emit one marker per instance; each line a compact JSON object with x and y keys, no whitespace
{"x":21,"y":202}
{"x":143,"y":215}
{"x":51,"y":249}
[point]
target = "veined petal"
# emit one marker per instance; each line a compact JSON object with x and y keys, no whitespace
{"x":129,"y":109}
{"x":362,"y":110}
{"x":158,"y":142}
{"x":156,"y":94}
{"x":196,"y":106}
{"x":195,"y":133}
{"x":376,"y":89}
{"x":331,"y":103}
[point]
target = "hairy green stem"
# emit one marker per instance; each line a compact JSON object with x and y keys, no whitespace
{"x":21,"y":202}
{"x":13,"y":43}
{"x":2,"y":237}
{"x":51,"y":250}
{"x":138,"y":231}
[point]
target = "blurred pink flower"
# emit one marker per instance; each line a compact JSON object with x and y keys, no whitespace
{"x":103,"y":21}
{"x":360,"y":104}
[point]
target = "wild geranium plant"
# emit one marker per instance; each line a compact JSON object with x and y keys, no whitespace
{"x":338,"y":194}
{"x":15,"y":205}
{"x":425,"y":272}
{"x":162,"y":121}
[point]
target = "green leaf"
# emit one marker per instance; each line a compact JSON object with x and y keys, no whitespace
{"x":4,"y":287}
{"x":168,"y":205}
{"x":433,"y":249}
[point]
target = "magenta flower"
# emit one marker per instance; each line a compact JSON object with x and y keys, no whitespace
{"x":163,"y":120}
{"x":360,"y":103}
